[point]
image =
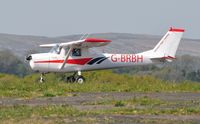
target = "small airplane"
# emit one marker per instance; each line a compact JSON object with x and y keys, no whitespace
{"x":76,"y":56}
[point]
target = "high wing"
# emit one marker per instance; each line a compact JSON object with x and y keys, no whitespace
{"x":85,"y":43}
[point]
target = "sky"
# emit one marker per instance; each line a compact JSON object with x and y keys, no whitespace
{"x":65,"y":17}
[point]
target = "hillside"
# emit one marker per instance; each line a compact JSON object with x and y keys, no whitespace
{"x":128,"y":43}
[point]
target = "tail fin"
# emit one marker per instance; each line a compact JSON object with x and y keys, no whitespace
{"x":168,"y":45}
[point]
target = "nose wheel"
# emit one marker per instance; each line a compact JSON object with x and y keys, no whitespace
{"x":41,"y":78}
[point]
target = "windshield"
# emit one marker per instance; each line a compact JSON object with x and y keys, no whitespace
{"x":55,"y":49}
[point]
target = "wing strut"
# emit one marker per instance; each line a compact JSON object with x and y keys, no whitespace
{"x":66,"y":58}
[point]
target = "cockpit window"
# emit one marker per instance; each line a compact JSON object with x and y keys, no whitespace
{"x":56,"y":49}
{"x":76,"y":52}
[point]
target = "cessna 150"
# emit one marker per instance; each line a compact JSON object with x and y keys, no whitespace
{"x":76,"y":56}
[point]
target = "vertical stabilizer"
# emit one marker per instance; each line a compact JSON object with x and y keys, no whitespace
{"x":169,"y":43}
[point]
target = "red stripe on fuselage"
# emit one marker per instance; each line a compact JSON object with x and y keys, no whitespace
{"x":81,"y":61}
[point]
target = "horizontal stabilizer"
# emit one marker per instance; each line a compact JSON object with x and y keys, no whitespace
{"x":164,"y":58}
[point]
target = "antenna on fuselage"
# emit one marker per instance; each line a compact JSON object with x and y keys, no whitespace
{"x":84,"y":36}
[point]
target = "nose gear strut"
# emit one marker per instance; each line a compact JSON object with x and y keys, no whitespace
{"x":41,"y":78}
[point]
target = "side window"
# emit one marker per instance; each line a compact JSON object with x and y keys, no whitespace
{"x":76,"y":52}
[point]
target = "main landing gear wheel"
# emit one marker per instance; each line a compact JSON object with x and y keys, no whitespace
{"x":76,"y":77}
{"x":80,"y":79}
{"x":71,"y":79}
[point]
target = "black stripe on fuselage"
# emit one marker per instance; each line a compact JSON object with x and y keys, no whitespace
{"x":95,"y":60}
{"x":100,"y":61}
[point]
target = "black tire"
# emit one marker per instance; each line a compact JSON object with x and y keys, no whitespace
{"x":39,"y":80}
{"x":71,"y":79}
{"x":80,"y":79}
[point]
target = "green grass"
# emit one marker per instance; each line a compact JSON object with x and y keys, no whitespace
{"x":20,"y":112}
{"x":134,"y":106}
{"x":119,"y":104}
{"x":59,"y":111}
{"x":150,"y":111}
{"x":100,"y":81}
{"x":133,"y":101}
{"x":150,"y":106}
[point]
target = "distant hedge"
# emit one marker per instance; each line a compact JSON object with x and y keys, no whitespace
{"x":11,"y":64}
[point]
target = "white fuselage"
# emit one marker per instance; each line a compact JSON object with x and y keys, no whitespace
{"x":51,"y":62}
